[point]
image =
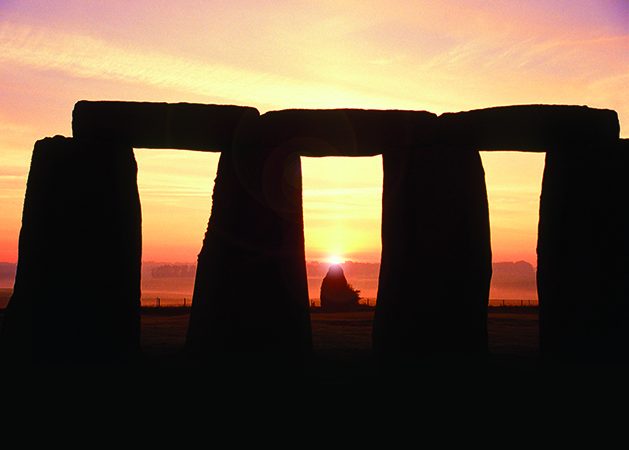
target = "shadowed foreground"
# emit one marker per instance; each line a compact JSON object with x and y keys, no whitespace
{"x":342,"y":341}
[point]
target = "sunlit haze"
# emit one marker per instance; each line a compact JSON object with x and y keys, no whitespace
{"x":175,"y":204}
{"x":514,"y":184}
{"x":342,"y":208}
{"x":425,"y":55}
{"x":336,"y":260}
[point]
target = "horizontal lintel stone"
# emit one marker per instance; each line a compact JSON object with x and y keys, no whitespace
{"x":529,"y":127}
{"x":346,"y":132}
{"x":163,"y":125}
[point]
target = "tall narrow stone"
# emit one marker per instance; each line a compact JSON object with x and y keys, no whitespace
{"x":250,"y":292}
{"x":583,"y":254}
{"x":77,"y":290}
{"x":436,"y":256}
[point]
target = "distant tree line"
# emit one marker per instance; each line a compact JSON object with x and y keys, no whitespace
{"x":7,"y":270}
{"x":174,"y":271}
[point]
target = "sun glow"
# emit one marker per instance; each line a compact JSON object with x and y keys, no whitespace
{"x":335,"y":259}
{"x":342,"y":200}
{"x":379,"y":54}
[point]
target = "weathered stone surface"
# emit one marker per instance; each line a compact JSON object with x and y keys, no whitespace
{"x":346,"y":132}
{"x":77,"y":290}
{"x":583,"y":254}
{"x":436,"y":256}
{"x":251,"y":292}
{"x":528,"y":127}
{"x":163,"y":125}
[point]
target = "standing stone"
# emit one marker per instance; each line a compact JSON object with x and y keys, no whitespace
{"x":251,"y":294}
{"x":583,"y":253}
{"x":336,"y":293}
{"x":436,"y":255}
{"x":583,"y":228}
{"x":77,"y":289}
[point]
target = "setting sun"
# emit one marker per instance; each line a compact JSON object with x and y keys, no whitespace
{"x":342,"y":207}
{"x":336,"y":260}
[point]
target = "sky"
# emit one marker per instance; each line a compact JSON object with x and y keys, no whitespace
{"x":450,"y":55}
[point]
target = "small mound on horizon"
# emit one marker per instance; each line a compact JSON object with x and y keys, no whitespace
{"x":336,"y":293}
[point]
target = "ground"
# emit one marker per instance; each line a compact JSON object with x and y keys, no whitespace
{"x":342,"y":341}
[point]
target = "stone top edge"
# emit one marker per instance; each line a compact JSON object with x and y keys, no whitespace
{"x":533,"y":107}
{"x":523,"y":108}
{"x":130,"y":104}
{"x":347,"y":110}
{"x":527,"y":127}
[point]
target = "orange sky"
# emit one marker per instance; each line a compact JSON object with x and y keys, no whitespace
{"x":440,"y":56}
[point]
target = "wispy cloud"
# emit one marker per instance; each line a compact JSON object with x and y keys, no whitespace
{"x":440,"y":56}
{"x":88,"y":57}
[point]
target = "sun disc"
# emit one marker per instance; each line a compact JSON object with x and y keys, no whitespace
{"x":335,"y":259}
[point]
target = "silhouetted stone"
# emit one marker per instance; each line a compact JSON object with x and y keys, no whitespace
{"x":251,"y":291}
{"x":336,"y":293}
{"x":162,"y":125}
{"x":528,"y":127}
{"x":77,"y":290}
{"x":346,"y":132}
{"x":583,"y":254}
{"x":436,"y":257}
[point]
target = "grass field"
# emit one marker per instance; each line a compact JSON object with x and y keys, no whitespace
{"x":512,"y":331}
{"x":342,"y":341}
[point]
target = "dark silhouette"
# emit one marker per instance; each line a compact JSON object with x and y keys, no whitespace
{"x":250,"y":293}
{"x":583,"y":249}
{"x":162,"y":125}
{"x":81,"y":215}
{"x":531,"y":128}
{"x":336,"y":293}
{"x":436,"y":257}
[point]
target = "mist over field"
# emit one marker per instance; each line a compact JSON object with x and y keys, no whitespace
{"x":171,"y":283}
{"x":7,"y":274}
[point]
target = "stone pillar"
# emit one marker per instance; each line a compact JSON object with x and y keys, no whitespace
{"x":251,"y":294}
{"x":77,"y":290}
{"x":583,"y":253}
{"x":436,"y":255}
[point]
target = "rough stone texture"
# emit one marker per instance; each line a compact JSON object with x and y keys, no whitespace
{"x":436,"y":256}
{"x":251,"y":292}
{"x":77,"y":290}
{"x":346,"y":132}
{"x":583,"y":254}
{"x":162,"y":125}
{"x":528,"y":127}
